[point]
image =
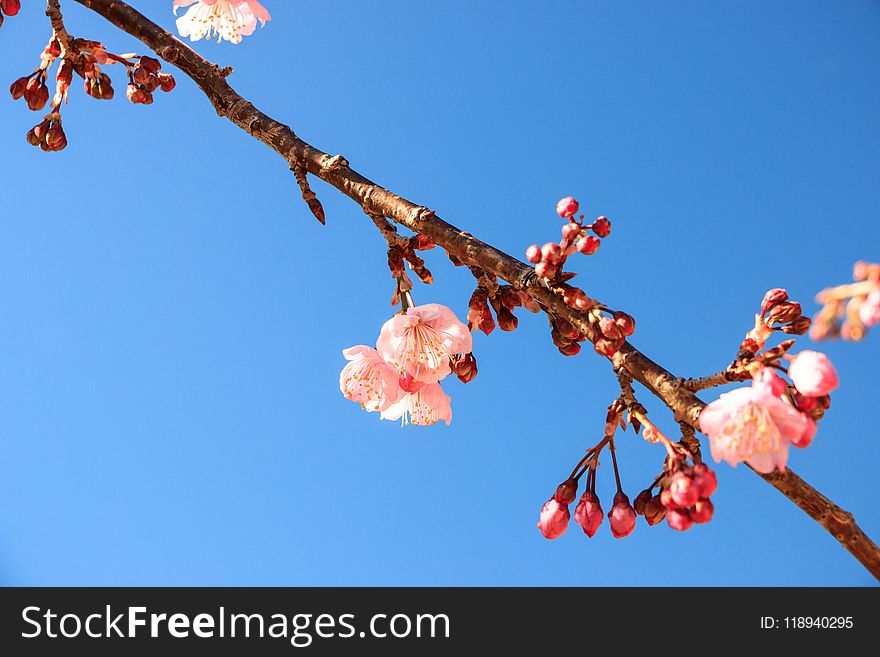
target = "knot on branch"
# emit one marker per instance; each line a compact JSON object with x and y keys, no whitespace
{"x":334,"y":163}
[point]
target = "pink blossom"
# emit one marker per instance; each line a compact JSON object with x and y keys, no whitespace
{"x":368,"y":380}
{"x":427,"y":406}
{"x":622,"y":516}
{"x":812,"y":373}
{"x":421,"y":341}
{"x":753,"y":425}
{"x":553,"y":521}
{"x":588,"y":513}
{"x":679,"y":519}
{"x":869,"y":311}
{"x":567,"y":207}
{"x":230,"y":20}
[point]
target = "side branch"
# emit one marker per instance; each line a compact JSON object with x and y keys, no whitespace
{"x":470,"y":251}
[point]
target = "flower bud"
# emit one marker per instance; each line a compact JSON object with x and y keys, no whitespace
{"x":785,"y":311}
{"x":702,"y":511}
{"x":570,"y":231}
{"x":798,"y":326}
{"x":32,"y":138}
{"x":608,"y":348}
{"x":625,"y":323}
{"x":10,"y":7}
{"x":566,"y":491}
{"x":553,"y":521}
{"x":602,"y":227}
{"x":551,"y":252}
{"x":683,"y":490}
{"x":588,"y":245}
{"x":55,"y":137}
{"x":567,"y":207}
{"x":773,"y":298}
{"x":36,"y":96}
{"x":679,"y":519}
{"x":642,"y":500}
{"x":566,"y":328}
{"x":18,"y":87}
{"x":533,"y":254}
{"x":570,"y":349}
{"x":705,"y":480}
{"x":622,"y":516}
{"x":167,"y":83}
{"x":655,"y":512}
{"x":588,"y":513}
{"x":545,"y":270}
{"x":149,"y":64}
{"x":418,"y":242}
{"x":608,"y":327}
{"x":140,"y":75}
{"x":507,"y":321}
{"x":465,"y":368}
{"x":812,"y":373}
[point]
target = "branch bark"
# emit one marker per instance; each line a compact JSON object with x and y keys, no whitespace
{"x":335,"y":170}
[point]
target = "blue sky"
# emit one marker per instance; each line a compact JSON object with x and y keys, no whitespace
{"x":171,"y":317}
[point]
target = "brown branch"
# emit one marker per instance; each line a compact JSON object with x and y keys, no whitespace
{"x":461,"y":246}
{"x":53,"y":11}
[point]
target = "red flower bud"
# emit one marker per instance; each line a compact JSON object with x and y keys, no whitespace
{"x":545,"y":270}
{"x":418,"y":242}
{"x":567,"y":207}
{"x":605,"y":347}
{"x":773,"y":298}
{"x":55,"y":138}
{"x":702,"y":511}
{"x":602,"y":227}
{"x":588,"y":245}
{"x":609,"y":328}
{"x":140,"y":75}
{"x":36,"y":95}
{"x":507,"y":321}
{"x":551,"y":252}
{"x":785,"y":311}
{"x":570,"y":349}
{"x":570,"y":231}
{"x":642,"y":500}
{"x":32,"y":138}
{"x":135,"y":94}
{"x":625,"y":323}
{"x":683,"y":490}
{"x":566,"y":491}
{"x":622,"y":516}
{"x":10,"y":7}
{"x":149,"y":64}
{"x":798,"y":326}
{"x":554,"y":518}
{"x":465,"y":368}
{"x":655,"y":512}
{"x":18,"y":87}
{"x":705,"y":480}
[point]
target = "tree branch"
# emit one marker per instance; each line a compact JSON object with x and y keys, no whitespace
{"x":373,"y":198}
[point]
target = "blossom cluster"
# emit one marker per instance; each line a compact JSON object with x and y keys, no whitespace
{"x":400,"y":377}
{"x":8,"y":8}
{"x":229,"y":20}
{"x":85,"y":58}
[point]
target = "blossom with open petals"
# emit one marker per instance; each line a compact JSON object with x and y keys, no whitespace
{"x":424,"y":407}
{"x":752,"y":424}
{"x":421,"y":341}
{"x":230,"y":20}
{"x":368,"y":380}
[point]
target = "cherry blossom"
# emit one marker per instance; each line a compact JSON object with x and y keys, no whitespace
{"x":368,"y":380}
{"x":230,"y":20}
{"x":424,"y":407}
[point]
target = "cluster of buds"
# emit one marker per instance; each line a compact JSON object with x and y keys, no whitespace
{"x":549,"y":259}
{"x":401,"y":251}
{"x":684,"y":495}
{"x":848,"y":311}
{"x":144,"y":78}
{"x":84,"y":58}
{"x":8,"y":8}
{"x":612,"y":332}
{"x":778,"y":313}
{"x":555,"y":515}
{"x":503,"y":300}
{"x":48,"y":135}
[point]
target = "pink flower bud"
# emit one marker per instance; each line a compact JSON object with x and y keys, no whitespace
{"x":18,"y":87}
{"x":608,"y":327}
{"x":607,"y":348}
{"x":135,"y":94}
{"x":545,"y":270}
{"x":553,"y":521}
{"x":567,"y":207}
{"x":804,"y":404}
{"x":10,"y":7}
{"x":622,"y":516}
{"x":55,"y":138}
{"x":705,"y":480}
{"x":588,"y":245}
{"x":588,"y":513}
{"x":702,"y":511}
{"x":683,"y":490}
{"x":533,"y":254}
{"x":570,"y":231}
{"x":798,"y":326}
{"x":772,"y":298}
{"x":807,"y":436}
{"x":812,"y":373}
{"x":602,"y":227}
{"x":785,"y":311}
{"x":625,"y":323}
{"x":551,"y":252}
{"x":679,"y":519}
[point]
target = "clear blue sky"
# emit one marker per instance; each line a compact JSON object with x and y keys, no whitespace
{"x":171,"y":318}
